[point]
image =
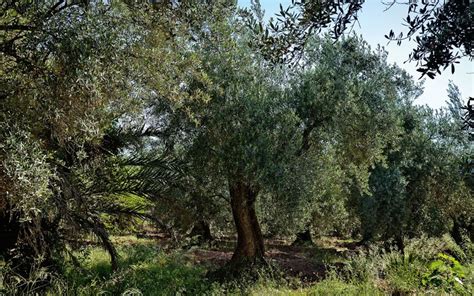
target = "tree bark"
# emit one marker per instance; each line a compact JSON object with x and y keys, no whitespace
{"x":250,"y":245}
{"x":202,"y":231}
{"x":456,"y":232}
{"x":303,"y":238}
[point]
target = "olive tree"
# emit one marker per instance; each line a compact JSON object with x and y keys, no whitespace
{"x":423,"y":188}
{"x":71,"y":73}
{"x":263,"y":130}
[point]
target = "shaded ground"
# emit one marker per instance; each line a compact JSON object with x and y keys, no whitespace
{"x":297,"y":264}
{"x":309,"y":263}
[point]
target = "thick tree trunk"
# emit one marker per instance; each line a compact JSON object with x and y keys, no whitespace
{"x":250,"y":246}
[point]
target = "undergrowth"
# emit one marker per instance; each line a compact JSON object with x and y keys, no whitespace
{"x":428,"y":266}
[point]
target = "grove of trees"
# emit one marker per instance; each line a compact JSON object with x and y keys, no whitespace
{"x":168,"y":112}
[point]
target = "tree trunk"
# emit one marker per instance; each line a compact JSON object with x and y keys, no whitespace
{"x":9,"y":231}
{"x":202,"y":232}
{"x":463,"y":229}
{"x":456,"y":232}
{"x":250,"y":246}
{"x":303,"y":238}
{"x":400,"y":243}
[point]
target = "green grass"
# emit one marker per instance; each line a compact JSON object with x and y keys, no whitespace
{"x":142,"y":268}
{"x":331,"y":286}
{"x":145,"y":269}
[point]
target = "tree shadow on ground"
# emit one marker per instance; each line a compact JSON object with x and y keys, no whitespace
{"x":309,"y":263}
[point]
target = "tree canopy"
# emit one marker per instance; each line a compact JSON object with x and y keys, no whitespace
{"x":165,"y":112}
{"x":442,"y":30}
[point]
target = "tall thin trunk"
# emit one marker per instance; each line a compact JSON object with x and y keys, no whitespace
{"x":250,"y":246}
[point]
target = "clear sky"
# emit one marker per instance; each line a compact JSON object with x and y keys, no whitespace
{"x":374,"y":23}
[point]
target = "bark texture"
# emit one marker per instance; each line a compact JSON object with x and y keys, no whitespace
{"x":250,"y":245}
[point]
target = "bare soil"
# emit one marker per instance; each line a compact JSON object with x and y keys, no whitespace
{"x":308,"y":263}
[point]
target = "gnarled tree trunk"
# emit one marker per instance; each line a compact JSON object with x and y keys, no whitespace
{"x":250,"y":246}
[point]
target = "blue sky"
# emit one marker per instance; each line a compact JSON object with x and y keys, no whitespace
{"x":374,"y":23}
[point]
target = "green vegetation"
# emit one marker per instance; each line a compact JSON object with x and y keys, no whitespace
{"x":145,"y":269}
{"x":151,"y":148}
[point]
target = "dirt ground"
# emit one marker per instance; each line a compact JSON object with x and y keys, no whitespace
{"x":309,"y":263}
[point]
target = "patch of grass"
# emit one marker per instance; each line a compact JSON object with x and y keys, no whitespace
{"x":403,"y":272}
{"x":145,"y":269}
{"x":330,"y":250}
{"x":327,"y":255}
{"x":339,"y":287}
{"x":330,"y":286}
{"x":128,"y":240}
{"x":142,"y":269}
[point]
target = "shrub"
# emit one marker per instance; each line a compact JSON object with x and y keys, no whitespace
{"x":446,"y":272}
{"x":403,"y":271}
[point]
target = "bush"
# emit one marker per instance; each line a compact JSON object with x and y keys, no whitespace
{"x":145,"y":269}
{"x":420,"y":269}
{"x":403,"y":271}
{"x":427,"y":248}
{"x":447,"y":273}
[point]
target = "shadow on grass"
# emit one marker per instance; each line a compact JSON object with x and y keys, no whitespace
{"x":142,"y":268}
